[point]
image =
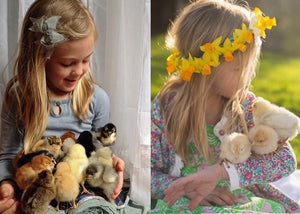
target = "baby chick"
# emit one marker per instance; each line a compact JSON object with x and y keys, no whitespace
{"x":235,"y":147}
{"x":39,"y":194}
{"x":88,"y":140}
{"x":102,"y":176}
{"x":66,"y":135}
{"x":67,"y":143}
{"x":78,"y":162}
{"x":28,"y":157}
{"x":27,"y":173}
{"x":102,"y":155}
{"x":107,"y":134}
{"x":100,"y":172}
{"x":67,"y":186}
{"x":264,"y":139}
{"x":52,"y":144}
{"x":285,"y":123}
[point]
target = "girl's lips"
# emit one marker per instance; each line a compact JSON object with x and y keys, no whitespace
{"x":71,"y":82}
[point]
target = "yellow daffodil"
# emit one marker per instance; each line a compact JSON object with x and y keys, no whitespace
{"x":242,"y":35}
{"x":206,"y":70}
{"x":212,"y":50}
{"x":172,"y":62}
{"x":228,"y":48}
{"x":187,"y":68}
{"x":263,"y":22}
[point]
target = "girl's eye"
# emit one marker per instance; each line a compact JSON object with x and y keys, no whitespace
{"x":86,"y":61}
{"x":66,"y":65}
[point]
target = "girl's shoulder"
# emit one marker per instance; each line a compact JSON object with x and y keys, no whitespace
{"x":99,"y":92}
{"x":100,"y":96}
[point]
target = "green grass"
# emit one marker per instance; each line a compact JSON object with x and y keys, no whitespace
{"x":278,"y":79}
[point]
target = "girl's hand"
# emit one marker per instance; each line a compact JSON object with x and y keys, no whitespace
{"x":202,"y":184}
{"x":219,"y":196}
{"x":8,"y":204}
{"x":119,"y":166}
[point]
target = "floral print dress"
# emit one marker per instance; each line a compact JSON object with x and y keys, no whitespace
{"x":256,"y":195}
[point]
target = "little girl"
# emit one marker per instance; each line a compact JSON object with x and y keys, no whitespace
{"x":216,"y":46}
{"x":52,"y":90}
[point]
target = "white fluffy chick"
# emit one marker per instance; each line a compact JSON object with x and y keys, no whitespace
{"x":67,"y":187}
{"x":103,"y":155}
{"x":264,"y":139}
{"x":102,"y":176}
{"x":285,"y":123}
{"x":235,"y":147}
{"x":78,"y":162}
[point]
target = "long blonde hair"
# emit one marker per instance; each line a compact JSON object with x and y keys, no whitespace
{"x":200,"y":22}
{"x":29,"y":80}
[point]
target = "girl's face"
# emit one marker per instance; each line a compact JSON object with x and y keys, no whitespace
{"x":228,"y":75}
{"x":68,"y":63}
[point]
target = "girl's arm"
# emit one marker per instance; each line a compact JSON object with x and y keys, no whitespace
{"x":266,"y":168}
{"x":10,"y":142}
{"x":162,"y":155}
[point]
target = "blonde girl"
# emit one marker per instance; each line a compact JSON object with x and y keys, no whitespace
{"x":52,"y":90}
{"x":212,"y":82}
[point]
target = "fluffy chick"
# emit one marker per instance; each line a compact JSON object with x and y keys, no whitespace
{"x":103,"y":155}
{"x":67,"y":187}
{"x":52,"y":144}
{"x":39,"y":194}
{"x":78,"y":162}
{"x":107,"y":134}
{"x":27,"y":173}
{"x":100,"y":172}
{"x":66,"y":135}
{"x":28,"y":157}
{"x":67,"y":143}
{"x":264,"y":139}
{"x":285,"y":123}
{"x":102,"y":176}
{"x":235,"y":147}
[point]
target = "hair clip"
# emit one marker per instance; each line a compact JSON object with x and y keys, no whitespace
{"x":47,"y":26}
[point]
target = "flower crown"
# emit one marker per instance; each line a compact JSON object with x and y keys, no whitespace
{"x":212,"y":51}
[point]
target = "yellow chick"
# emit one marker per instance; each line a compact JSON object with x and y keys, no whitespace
{"x":67,"y":186}
{"x":285,"y":123}
{"x":78,"y":162}
{"x":39,"y":194}
{"x":27,"y":173}
{"x":52,"y":144}
{"x":264,"y":139}
{"x":235,"y":147}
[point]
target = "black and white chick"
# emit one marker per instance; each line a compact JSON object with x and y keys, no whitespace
{"x":107,"y":134}
{"x":92,"y":141}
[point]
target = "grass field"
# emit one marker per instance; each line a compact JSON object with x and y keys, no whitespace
{"x":278,"y":79}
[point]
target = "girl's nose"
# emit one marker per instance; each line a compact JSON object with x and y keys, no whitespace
{"x":78,"y":69}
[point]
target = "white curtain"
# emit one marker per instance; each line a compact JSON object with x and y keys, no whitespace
{"x":120,"y":63}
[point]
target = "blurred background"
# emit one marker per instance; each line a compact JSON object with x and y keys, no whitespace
{"x":278,"y":73}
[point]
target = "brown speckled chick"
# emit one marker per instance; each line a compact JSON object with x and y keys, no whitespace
{"x":39,"y":194}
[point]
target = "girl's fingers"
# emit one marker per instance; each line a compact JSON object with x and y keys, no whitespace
{"x":195,"y":201}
